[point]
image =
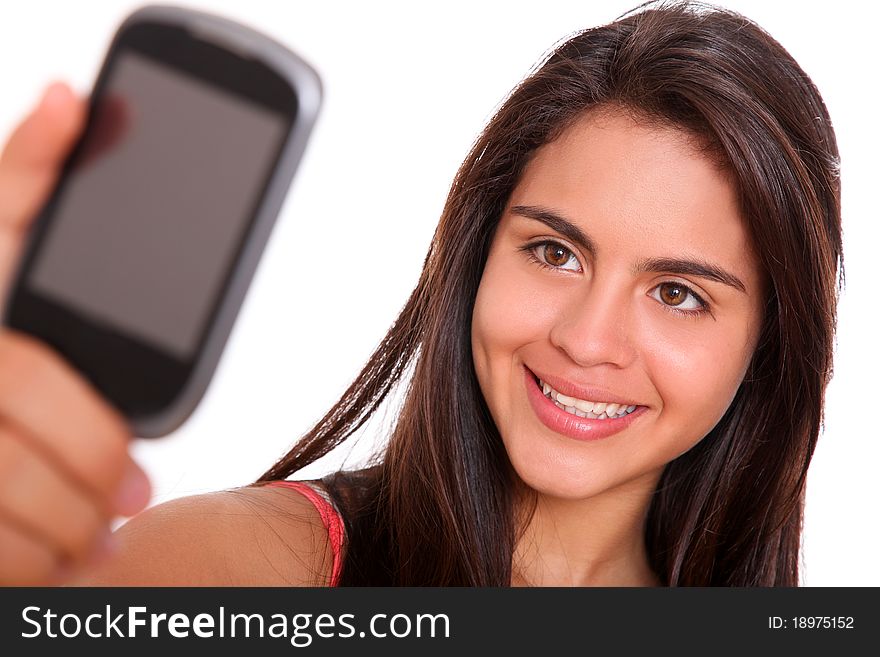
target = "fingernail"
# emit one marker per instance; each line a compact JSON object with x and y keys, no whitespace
{"x":105,"y":546}
{"x":56,"y":93}
{"x":134,"y":491}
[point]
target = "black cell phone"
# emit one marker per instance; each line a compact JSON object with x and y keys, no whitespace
{"x":139,"y":261}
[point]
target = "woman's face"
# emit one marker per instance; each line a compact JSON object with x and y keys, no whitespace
{"x":620,"y":281}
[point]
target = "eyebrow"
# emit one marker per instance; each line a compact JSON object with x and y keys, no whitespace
{"x":699,"y":268}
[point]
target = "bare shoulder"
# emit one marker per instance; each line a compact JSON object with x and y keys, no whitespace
{"x":256,"y":536}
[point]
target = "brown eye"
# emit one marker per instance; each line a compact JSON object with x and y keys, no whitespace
{"x":557,"y":255}
{"x":679,"y":298}
{"x":552,"y":255}
{"x":673,"y":294}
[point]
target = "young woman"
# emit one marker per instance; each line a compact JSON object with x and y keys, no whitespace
{"x":613,"y":364}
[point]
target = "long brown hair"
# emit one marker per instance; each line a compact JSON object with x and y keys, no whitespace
{"x":438,"y":507}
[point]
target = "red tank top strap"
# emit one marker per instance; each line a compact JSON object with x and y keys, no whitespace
{"x":329,"y":516}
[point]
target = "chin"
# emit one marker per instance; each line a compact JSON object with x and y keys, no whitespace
{"x":556,"y":471}
{"x":551,"y":476}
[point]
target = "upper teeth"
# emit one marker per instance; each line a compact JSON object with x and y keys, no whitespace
{"x":583,"y":408}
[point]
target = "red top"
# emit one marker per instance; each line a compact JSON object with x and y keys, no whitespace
{"x":329,"y":516}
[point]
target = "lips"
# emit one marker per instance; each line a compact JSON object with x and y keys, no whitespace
{"x":569,"y":424}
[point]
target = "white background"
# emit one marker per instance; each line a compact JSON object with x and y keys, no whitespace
{"x":407,"y":88}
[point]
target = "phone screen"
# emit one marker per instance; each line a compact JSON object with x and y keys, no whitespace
{"x":155,"y":204}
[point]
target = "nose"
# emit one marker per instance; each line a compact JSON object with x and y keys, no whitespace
{"x":595,"y":328}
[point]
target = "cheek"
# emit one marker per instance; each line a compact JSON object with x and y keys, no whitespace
{"x":697,"y":374}
{"x":508,"y":314}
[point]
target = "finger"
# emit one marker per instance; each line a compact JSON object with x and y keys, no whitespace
{"x":24,"y":560}
{"x":39,"y":498}
{"x":134,"y":492}
{"x":43,"y":138}
{"x":50,"y":403}
{"x":37,"y":147}
{"x":22,"y":194}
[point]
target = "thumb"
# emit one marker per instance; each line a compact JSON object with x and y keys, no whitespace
{"x":45,"y":136}
{"x":34,"y":153}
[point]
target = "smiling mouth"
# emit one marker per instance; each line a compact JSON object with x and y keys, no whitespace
{"x":584,"y":408}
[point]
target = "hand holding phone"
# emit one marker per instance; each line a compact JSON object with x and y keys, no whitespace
{"x":29,"y":166}
{"x":64,"y":464}
{"x":140,"y":258}
{"x":185,"y":104}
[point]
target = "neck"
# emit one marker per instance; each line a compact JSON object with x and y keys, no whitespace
{"x":599,"y":541}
